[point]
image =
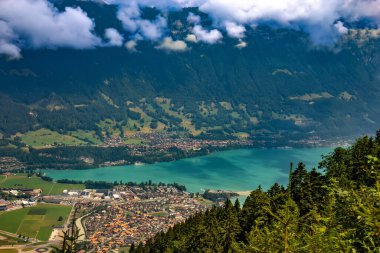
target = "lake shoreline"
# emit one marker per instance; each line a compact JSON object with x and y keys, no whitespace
{"x":237,"y":170}
{"x":195,"y":155}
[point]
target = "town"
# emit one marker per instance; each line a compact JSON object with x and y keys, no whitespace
{"x":108,"y":219}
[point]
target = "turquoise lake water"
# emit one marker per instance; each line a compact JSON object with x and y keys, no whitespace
{"x":237,"y":170}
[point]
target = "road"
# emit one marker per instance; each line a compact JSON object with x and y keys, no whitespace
{"x":79,"y":225}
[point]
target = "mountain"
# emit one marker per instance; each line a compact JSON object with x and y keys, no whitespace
{"x":277,"y":85}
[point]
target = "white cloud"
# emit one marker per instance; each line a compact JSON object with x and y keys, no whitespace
{"x":114,"y":37}
{"x":209,"y":37}
{"x":191,"y":38}
{"x":169,"y":44}
{"x":10,"y":50}
{"x":234,"y":30}
{"x":37,"y":24}
{"x":131,"y":46}
{"x":6,"y":47}
{"x":317,"y":17}
{"x":241,"y":44}
{"x":193,"y":19}
{"x":152,"y":30}
{"x":339,"y":26}
{"x":130,"y":16}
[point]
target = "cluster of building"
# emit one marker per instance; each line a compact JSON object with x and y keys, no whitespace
{"x":20,"y":198}
{"x":9,"y":205}
{"x":5,"y":205}
{"x":8,"y":163}
{"x":137,"y":215}
{"x":117,"y":217}
{"x":164,"y":141}
{"x":115,"y":141}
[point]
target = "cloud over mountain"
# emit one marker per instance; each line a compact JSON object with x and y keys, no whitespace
{"x":169,"y":44}
{"x":38,"y":24}
{"x":210,"y":37}
{"x":319,"y":18}
{"x":114,"y":37}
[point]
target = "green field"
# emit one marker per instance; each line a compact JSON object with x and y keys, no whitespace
{"x":34,"y":222}
{"x":8,"y":250}
{"x":86,"y":136}
{"x":46,"y":138}
{"x":20,"y":181}
{"x":132,"y":141}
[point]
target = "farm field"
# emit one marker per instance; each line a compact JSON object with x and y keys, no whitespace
{"x":34,"y":222}
{"x":46,"y":138}
{"x":22,"y":181}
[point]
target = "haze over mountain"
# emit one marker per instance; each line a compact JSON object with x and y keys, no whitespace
{"x":294,"y":68}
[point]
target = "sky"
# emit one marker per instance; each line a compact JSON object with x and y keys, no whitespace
{"x":36,"y":24}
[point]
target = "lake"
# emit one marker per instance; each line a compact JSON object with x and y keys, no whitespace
{"x":237,"y":170}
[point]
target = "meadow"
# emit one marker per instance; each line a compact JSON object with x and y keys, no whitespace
{"x":22,"y":181}
{"x":45,"y":138}
{"x":34,"y":222}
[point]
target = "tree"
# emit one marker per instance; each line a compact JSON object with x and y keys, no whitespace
{"x":254,"y":208}
{"x":70,"y":238}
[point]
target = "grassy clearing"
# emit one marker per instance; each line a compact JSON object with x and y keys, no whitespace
{"x":204,"y":201}
{"x":208,"y":110}
{"x":108,"y":100}
{"x":165,"y":103}
{"x":21,"y":181}
{"x":226,"y":105}
{"x":8,"y":250}
{"x":188,"y":125}
{"x":242,"y":135}
{"x":86,"y":136}
{"x":27,"y":249}
{"x":43,"y":138}
{"x":133,"y":141}
{"x":109,"y":126}
{"x":254,"y":120}
{"x":145,"y":126}
{"x":235,"y":115}
{"x":186,"y":122}
{"x":22,"y":222}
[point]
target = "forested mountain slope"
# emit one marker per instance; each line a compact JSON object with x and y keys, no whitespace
{"x":279,"y":83}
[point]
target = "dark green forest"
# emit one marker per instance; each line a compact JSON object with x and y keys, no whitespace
{"x":335,"y":208}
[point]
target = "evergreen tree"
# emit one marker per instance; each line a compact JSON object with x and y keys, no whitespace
{"x":338,"y":211}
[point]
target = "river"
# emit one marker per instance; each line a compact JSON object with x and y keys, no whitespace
{"x":237,"y":170}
